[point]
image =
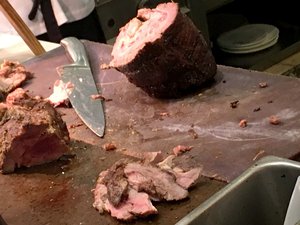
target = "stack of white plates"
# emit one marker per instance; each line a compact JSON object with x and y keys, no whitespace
{"x":248,"y":38}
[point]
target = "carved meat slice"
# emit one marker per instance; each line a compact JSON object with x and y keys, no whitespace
{"x":125,"y":189}
{"x":159,"y":184}
{"x":184,"y":177}
{"x":137,"y":204}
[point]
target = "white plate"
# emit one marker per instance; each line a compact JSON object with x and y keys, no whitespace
{"x":251,"y":50}
{"x":247,"y":37}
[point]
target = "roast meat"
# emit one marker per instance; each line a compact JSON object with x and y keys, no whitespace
{"x":12,"y":75}
{"x":163,"y":52}
{"x":126,"y":189}
{"x":31,"y":132}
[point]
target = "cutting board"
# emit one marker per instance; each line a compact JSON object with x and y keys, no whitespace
{"x":135,"y":121}
{"x":222,"y":147}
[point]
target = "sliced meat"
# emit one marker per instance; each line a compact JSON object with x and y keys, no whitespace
{"x":188,"y":178}
{"x":152,"y":180}
{"x":109,"y":146}
{"x":184,"y":177}
{"x":116,"y":183}
{"x":12,"y":75}
{"x":126,"y":188}
{"x":147,"y":157}
{"x":137,"y":204}
{"x":180,"y":149}
{"x":162,"y":52}
{"x":32,"y":132}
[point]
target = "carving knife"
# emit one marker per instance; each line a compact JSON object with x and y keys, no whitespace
{"x":83,"y":86}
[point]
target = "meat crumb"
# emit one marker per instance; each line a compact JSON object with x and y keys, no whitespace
{"x":263,"y":84}
{"x":256,"y":109}
{"x":234,"y":104}
{"x":274,"y":120}
{"x":243,"y":123}
{"x":193,"y":133}
{"x":270,"y":101}
{"x":178,"y":150}
{"x":98,"y":96}
{"x":109,"y":146}
{"x":75,"y":125}
{"x":164,"y":114}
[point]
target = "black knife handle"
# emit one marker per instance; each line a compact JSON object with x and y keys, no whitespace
{"x":75,"y":50}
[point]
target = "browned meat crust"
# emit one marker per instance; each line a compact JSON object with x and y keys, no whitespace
{"x":12,"y":75}
{"x":177,"y":63}
{"x":32,"y":132}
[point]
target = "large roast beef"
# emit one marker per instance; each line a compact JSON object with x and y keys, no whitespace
{"x":163,"y":52}
{"x":31,"y":132}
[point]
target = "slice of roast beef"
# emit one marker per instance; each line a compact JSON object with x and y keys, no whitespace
{"x":185,"y":177}
{"x":31,"y":132}
{"x":163,"y":52}
{"x":126,"y":188}
{"x":12,"y":75}
{"x":116,"y":183}
{"x":137,"y":204}
{"x":159,"y":184}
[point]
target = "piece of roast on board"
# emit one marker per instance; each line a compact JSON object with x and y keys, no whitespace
{"x":32,"y":132}
{"x":163,"y":52}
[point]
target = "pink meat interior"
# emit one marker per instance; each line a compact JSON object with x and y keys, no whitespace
{"x":147,"y":26}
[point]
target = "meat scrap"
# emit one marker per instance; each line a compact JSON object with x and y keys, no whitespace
{"x":109,"y":146}
{"x":274,"y":120}
{"x":193,"y":133}
{"x":101,"y":97}
{"x":162,"y":52}
{"x":164,"y":114}
{"x":178,"y":150}
{"x":256,"y":109}
{"x":74,"y":125}
{"x":32,"y":132}
{"x":134,"y":184}
{"x":263,"y":84}
{"x":60,"y":93}
{"x":12,"y":76}
{"x":243,"y":123}
{"x":234,"y":104}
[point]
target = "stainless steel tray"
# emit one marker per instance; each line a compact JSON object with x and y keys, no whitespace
{"x":259,"y":196}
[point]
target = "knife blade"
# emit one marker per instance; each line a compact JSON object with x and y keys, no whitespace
{"x":80,"y":76}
